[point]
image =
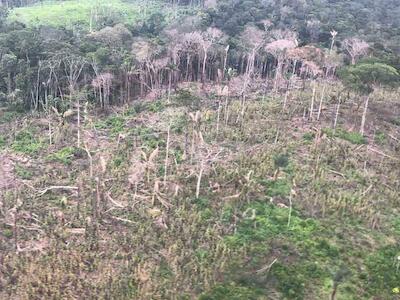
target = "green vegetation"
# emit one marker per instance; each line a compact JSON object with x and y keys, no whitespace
{"x":350,"y":136}
{"x":263,"y":222}
{"x":115,"y":124}
{"x":87,"y":14}
{"x":380,"y":138}
{"x":64,"y":156}
{"x":186,"y":99}
{"x":364,"y":77}
{"x":25,"y":142}
{"x":8,"y":116}
{"x":383,"y":269}
{"x":2,"y":142}
{"x":199,"y":149}
{"x":309,"y":136}
{"x":272,"y":223}
{"x":23,"y":173}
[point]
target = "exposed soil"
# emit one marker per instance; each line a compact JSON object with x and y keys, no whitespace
{"x":7,"y":178}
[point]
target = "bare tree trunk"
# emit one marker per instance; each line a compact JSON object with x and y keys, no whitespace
{"x":321,"y":101}
{"x":337,"y":113}
{"x":203,"y":73}
{"x":9,"y":88}
{"x":312,"y":103}
{"x":166,"y":155}
{"x":79,"y":121}
{"x":285,"y":99}
{"x":226,"y":108}
{"x":187,"y":67}
{"x":15,"y":230}
{"x":333,"y":295}
{"x":290,"y":209}
{"x":90,"y":161}
{"x":50,"y":130}
{"x":364,"y":116}
{"x":199,"y":179}
{"x":91,"y":21}
{"x":277,"y":74}
{"x":225,"y":61}
{"x":218,"y":118}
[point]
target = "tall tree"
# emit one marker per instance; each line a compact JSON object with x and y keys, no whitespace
{"x":356,"y":48}
{"x":365,"y":78}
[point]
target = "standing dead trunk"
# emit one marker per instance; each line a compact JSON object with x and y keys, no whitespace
{"x":187,"y":67}
{"x":364,"y":116}
{"x":15,"y":230}
{"x":203,"y":73}
{"x":225,"y":61}
{"x":169,"y":86}
{"x":166,"y":155}
{"x":199,"y":179}
{"x":337,"y":113}
{"x":312,"y":103}
{"x":277,"y":74}
{"x":218,"y":118}
{"x":50,"y":131}
{"x":321,"y":101}
{"x":79,"y":122}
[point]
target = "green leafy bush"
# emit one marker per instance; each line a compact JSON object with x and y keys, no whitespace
{"x":2,"y":142}
{"x":380,"y":138}
{"x":179,"y":124}
{"x":23,"y":172}
{"x":185,"y":98}
{"x":309,"y":136}
{"x":116,"y":124}
{"x":263,"y":221}
{"x":383,"y":271}
{"x":275,"y":188}
{"x":148,"y":137}
{"x":350,"y":136}
{"x":64,"y":156}
{"x":8,"y":116}
{"x":155,"y":106}
{"x":25,"y":142}
{"x":281,"y":160}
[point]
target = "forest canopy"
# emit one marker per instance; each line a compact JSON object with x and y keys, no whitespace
{"x":35,"y":36}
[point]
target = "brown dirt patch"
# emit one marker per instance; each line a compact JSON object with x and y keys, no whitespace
{"x":7,"y":177}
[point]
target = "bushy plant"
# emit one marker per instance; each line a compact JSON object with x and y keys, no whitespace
{"x":116,"y":124}
{"x":23,"y":172}
{"x":350,"y":136}
{"x":64,"y":156}
{"x":25,"y":142}
{"x":383,"y":269}
{"x":2,"y":141}
{"x":185,"y":98}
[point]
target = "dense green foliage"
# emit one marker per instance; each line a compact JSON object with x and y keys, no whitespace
{"x":364,"y":77}
{"x":123,"y":46}
{"x":315,"y":19}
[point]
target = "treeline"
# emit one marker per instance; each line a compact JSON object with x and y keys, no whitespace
{"x":230,"y":41}
{"x":18,"y":3}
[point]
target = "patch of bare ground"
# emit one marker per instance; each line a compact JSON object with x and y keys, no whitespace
{"x":8,"y":179}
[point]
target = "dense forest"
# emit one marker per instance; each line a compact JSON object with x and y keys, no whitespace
{"x":167,"y":45}
{"x":199,"y":149}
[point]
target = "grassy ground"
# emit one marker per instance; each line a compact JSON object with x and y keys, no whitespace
{"x":74,"y":13}
{"x":288,"y":208}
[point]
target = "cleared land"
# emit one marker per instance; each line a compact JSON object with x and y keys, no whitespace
{"x":87,"y":13}
{"x":287,"y":207}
